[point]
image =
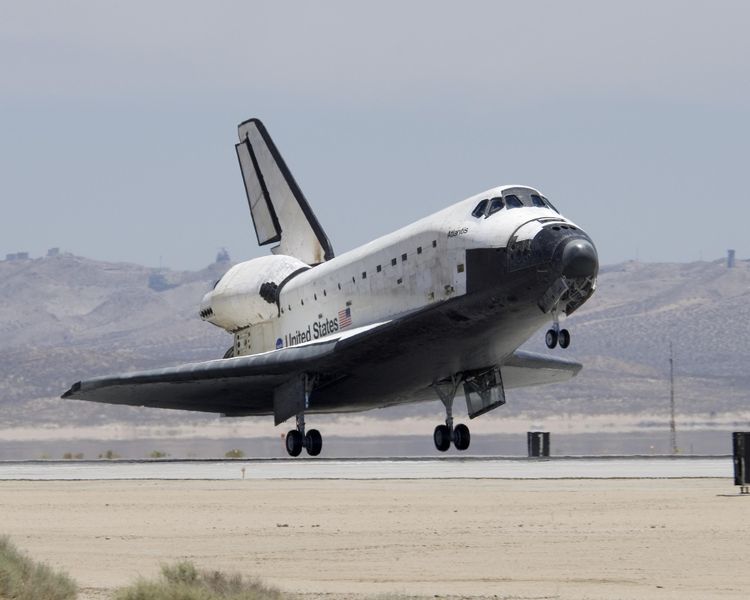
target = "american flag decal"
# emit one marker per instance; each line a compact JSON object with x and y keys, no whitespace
{"x":345,"y":318}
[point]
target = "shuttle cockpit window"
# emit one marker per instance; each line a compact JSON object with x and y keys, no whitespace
{"x":542,"y":202}
{"x":480,"y":209}
{"x":513,"y":201}
{"x":496,"y":204}
{"x":519,"y":200}
{"x":537,"y":201}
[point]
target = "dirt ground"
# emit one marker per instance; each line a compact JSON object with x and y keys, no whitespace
{"x":571,"y":539}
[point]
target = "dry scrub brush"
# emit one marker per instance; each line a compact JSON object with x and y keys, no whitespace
{"x":23,"y":579}
{"x":184,"y":582}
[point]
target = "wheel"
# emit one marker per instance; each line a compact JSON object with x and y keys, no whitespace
{"x":294,"y":442}
{"x":551,"y":338}
{"x":314,"y":442}
{"x":442,"y":438}
{"x":564,"y":338}
{"x":461,"y":437}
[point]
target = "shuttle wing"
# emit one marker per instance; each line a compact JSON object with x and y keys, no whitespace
{"x":231,"y":386}
{"x":529,"y":368}
{"x":245,"y":385}
{"x":279,"y":209}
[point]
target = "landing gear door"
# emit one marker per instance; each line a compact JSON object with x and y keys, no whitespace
{"x":484,"y":392}
{"x":289,"y":399}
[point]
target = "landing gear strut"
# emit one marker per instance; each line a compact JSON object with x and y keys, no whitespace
{"x":555,"y":335}
{"x":445,"y":434}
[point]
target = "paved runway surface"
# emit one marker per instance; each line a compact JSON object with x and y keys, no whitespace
{"x":427,"y":468}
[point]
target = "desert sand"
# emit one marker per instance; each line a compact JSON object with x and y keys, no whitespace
{"x":572,"y":539}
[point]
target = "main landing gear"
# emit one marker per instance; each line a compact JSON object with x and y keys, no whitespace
{"x":297,"y":439}
{"x":445,"y":434}
{"x":555,"y":335}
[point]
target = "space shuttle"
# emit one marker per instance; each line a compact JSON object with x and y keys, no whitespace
{"x":435,"y":310}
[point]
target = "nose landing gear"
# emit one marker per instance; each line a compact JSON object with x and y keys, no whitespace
{"x":555,"y":335}
{"x":459,"y":435}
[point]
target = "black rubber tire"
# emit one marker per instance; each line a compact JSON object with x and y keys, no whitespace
{"x":551,"y":338}
{"x":442,"y":438}
{"x":461,"y":437}
{"x":564,"y":338}
{"x":314,"y":442}
{"x":293,"y":443}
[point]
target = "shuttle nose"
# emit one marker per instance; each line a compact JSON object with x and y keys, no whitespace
{"x":579,"y":259}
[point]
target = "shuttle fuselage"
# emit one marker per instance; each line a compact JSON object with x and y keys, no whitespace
{"x":410,"y":269}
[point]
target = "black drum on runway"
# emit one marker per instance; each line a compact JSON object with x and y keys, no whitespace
{"x":741,"y":451}
{"x":538,"y":443}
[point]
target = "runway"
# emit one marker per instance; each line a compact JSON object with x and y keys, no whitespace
{"x":636,"y":467}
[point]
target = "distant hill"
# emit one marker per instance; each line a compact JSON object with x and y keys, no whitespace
{"x":64,"y":318}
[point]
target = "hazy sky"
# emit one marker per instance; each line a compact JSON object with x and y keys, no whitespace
{"x":118,"y":120}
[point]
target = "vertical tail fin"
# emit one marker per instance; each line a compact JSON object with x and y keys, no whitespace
{"x":279,"y":209}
